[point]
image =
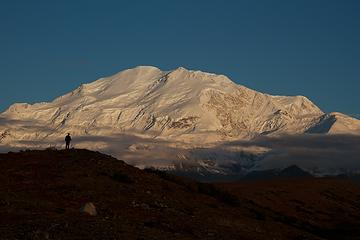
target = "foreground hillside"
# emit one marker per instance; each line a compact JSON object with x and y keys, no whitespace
{"x":42,"y":194}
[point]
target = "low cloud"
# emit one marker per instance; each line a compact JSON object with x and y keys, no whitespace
{"x":312,"y":151}
{"x":315,"y":152}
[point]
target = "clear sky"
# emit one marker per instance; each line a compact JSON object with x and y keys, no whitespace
{"x":297,"y":47}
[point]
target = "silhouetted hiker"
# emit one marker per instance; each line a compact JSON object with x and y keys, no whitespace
{"x":67,"y":141}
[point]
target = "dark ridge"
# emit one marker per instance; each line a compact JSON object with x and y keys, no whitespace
{"x":261,"y":175}
{"x":292,"y":171}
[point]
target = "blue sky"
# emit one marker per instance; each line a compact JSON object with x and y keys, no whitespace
{"x":311,"y":48}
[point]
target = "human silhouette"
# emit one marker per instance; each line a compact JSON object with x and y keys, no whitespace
{"x":67,"y":141}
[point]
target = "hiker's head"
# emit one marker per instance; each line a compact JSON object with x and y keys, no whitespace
{"x":68,"y":134}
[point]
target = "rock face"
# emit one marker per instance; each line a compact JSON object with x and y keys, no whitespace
{"x":89,"y":208}
{"x":336,"y":123}
{"x":181,"y":105}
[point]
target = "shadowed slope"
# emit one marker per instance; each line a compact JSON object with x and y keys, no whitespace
{"x":41,"y":193}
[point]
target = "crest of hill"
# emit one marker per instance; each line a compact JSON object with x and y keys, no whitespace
{"x":163,"y":206}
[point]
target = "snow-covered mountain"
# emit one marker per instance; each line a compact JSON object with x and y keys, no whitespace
{"x":180,"y":106}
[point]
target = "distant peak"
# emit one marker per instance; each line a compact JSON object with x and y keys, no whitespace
{"x":142,"y":69}
{"x":145,"y":67}
{"x":137,"y":70}
{"x":181,"y":69}
{"x":338,"y":115}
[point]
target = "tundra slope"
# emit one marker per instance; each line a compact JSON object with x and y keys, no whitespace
{"x":42,"y":192}
{"x":185,"y":108}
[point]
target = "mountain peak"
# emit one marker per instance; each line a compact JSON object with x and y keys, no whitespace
{"x":199,"y":72}
{"x":154,"y":115}
{"x":181,"y":69}
{"x":183,"y":105}
{"x":142,"y":68}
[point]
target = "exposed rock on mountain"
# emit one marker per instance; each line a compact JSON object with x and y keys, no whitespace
{"x":132,"y":113}
{"x":181,"y":105}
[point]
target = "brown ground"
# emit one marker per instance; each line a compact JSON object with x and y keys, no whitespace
{"x":41,"y":193}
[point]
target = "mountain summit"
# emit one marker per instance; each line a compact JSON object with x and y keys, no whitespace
{"x":181,"y":105}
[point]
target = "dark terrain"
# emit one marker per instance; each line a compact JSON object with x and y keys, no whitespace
{"x":42,"y":192}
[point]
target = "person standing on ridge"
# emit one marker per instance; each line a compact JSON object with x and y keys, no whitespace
{"x":67,"y":141}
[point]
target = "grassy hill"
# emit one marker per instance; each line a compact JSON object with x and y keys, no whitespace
{"x":42,"y":194}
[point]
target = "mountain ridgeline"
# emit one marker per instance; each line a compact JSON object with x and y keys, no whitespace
{"x":170,"y":119}
{"x":181,"y":105}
